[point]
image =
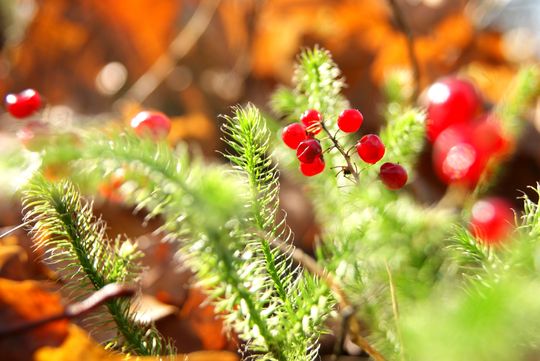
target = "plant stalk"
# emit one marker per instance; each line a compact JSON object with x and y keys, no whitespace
{"x":347,"y":157}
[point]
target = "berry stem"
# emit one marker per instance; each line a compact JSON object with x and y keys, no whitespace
{"x":345,"y":155}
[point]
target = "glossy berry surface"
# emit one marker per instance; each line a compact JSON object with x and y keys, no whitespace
{"x":23,"y":104}
{"x":450,"y":101}
{"x":308,"y":150}
{"x":394,"y":176}
{"x":370,"y":148}
{"x":456,"y":158}
{"x":314,"y":168}
{"x":489,"y":135}
{"x":293,"y":134}
{"x":312,"y":121}
{"x":462,"y":152}
{"x":492,"y":220}
{"x":350,"y":120}
{"x":154,"y":124}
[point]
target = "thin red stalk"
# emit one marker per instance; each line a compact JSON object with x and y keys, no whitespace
{"x":346,"y":156}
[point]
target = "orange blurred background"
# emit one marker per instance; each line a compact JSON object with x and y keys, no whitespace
{"x":100,"y":61}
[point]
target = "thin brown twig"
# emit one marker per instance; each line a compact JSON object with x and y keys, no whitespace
{"x":73,"y":310}
{"x":345,"y":155}
{"x":13,"y":229}
{"x":406,"y":30}
{"x":313,"y":267}
{"x":346,"y":315}
{"x":180,"y":47}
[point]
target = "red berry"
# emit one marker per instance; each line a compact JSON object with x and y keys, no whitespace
{"x":490,"y":137}
{"x":23,"y":104}
{"x":450,"y":101}
{"x":154,"y":124}
{"x":393,"y":175}
{"x":462,"y":152}
{"x":491,"y":220}
{"x":350,"y":120}
{"x":370,"y":148}
{"x":308,"y":150}
{"x":293,"y":134}
{"x":456,"y":158}
{"x":314,"y":168}
{"x":312,"y":120}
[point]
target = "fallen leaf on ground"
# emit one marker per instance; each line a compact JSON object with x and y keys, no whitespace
{"x":148,"y":309}
{"x":78,"y":346}
{"x":21,"y":302}
{"x":204,"y":321}
{"x":13,"y":260}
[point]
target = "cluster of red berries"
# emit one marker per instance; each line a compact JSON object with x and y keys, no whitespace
{"x":465,"y":140}
{"x":492,"y":220}
{"x":301,"y":137}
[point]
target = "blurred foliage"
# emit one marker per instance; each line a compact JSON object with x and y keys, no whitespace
{"x":66,"y":44}
{"x":456,"y":302}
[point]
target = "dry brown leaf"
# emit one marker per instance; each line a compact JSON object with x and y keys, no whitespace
{"x":21,"y":302}
{"x":284,"y":24}
{"x":492,"y":80}
{"x":147,"y":25}
{"x":78,"y":346}
{"x":12,"y":261}
{"x":204,"y":321}
{"x":68,"y":42}
{"x":191,"y":126}
{"x":207,"y":356}
{"x":148,"y":309}
{"x":233,"y":15}
{"x":196,"y":356}
{"x":437,"y":53}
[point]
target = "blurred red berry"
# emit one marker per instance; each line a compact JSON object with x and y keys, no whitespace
{"x":314,"y":168}
{"x":293,"y":134}
{"x":312,"y":121}
{"x":23,"y":104}
{"x":462,"y":152}
{"x":350,"y":120}
{"x":456,"y":158}
{"x":308,"y":150}
{"x":450,"y":101}
{"x":394,"y":176}
{"x":370,"y":148}
{"x":490,"y":136}
{"x":492,"y":220}
{"x":155,"y":124}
